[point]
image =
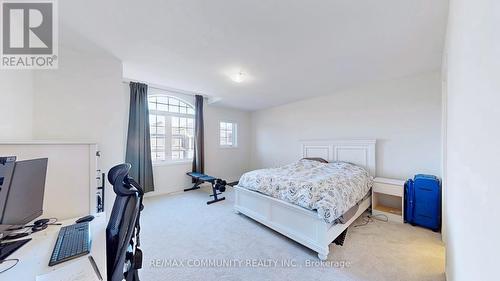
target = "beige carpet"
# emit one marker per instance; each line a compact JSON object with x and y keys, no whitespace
{"x":184,"y":239}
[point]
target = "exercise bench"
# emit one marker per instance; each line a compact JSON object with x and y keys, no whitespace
{"x":217,"y":185}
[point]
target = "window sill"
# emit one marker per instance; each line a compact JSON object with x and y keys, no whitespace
{"x":172,"y":163}
{"x":227,"y":147}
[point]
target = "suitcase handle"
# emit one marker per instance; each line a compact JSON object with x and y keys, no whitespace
{"x":409,"y":197}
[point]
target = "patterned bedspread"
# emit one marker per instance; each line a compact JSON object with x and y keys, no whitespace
{"x":329,"y":188}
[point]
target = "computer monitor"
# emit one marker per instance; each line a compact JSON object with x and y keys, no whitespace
{"x":24,"y":201}
{"x":6,"y":170}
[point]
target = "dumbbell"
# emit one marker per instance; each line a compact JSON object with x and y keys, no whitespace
{"x":221,"y":182}
{"x":220,"y":185}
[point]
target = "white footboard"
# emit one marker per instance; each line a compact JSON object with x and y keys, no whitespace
{"x":295,"y":222}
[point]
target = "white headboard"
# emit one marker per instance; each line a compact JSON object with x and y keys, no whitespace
{"x":359,"y":152}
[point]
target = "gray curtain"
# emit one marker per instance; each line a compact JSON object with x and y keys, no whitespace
{"x":199,"y":151}
{"x":138,"y":142}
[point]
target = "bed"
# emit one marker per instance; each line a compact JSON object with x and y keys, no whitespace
{"x":300,"y":220}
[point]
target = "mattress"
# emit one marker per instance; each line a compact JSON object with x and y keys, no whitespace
{"x":331,"y":189}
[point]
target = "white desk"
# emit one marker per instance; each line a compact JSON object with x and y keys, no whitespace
{"x":34,"y":256}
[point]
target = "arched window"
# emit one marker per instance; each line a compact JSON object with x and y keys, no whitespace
{"x":171,"y":122}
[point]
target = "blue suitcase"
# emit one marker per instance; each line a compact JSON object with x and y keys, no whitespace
{"x":423,"y":201}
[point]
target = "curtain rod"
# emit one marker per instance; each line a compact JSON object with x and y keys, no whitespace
{"x":164,"y":88}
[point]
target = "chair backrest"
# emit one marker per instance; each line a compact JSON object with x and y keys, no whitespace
{"x":123,"y":224}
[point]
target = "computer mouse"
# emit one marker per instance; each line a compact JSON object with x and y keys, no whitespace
{"x":85,"y":219}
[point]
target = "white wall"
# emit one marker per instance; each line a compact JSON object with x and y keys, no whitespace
{"x":83,"y":100}
{"x":68,"y":177}
{"x":403,"y":115}
{"x":472,"y":147}
{"x":16,"y":104}
{"x":226,"y":163}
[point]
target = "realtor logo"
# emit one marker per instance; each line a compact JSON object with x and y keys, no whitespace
{"x":29,"y":34}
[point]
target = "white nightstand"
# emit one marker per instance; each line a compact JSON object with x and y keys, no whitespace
{"x":387,"y":198}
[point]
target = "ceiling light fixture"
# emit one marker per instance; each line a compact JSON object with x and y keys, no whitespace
{"x":238,"y":77}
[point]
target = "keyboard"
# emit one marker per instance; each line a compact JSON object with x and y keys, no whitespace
{"x":72,"y":242}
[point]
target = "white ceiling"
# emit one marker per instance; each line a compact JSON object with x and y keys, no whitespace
{"x":290,"y":49}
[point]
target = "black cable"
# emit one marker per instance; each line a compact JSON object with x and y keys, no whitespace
{"x":376,"y":217}
{"x":370,"y":218}
{"x":28,"y":229}
{"x":14,"y":235}
{"x":15,"y":263}
{"x":49,"y":223}
{"x":54,"y":222}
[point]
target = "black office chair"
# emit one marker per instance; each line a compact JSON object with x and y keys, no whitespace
{"x":124,"y":258}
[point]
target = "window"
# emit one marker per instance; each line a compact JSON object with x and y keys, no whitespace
{"x":171,"y":122}
{"x":228,"y":134}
